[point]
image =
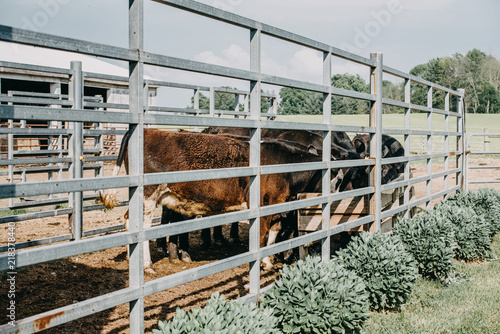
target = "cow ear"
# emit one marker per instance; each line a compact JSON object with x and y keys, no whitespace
{"x":359,"y":144}
{"x":312,"y":150}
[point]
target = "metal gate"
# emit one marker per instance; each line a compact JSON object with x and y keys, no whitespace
{"x":471,"y":151}
{"x":139,"y":115}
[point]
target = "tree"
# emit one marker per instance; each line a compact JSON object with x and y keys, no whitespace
{"x":225,"y":101}
{"x":489,"y":100}
{"x":393,"y":92}
{"x":476,"y":72}
{"x":298,"y":101}
{"x":345,"y":105}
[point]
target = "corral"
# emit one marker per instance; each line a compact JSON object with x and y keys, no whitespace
{"x":103,"y":291}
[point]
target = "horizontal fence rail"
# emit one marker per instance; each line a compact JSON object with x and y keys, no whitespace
{"x":67,"y":156}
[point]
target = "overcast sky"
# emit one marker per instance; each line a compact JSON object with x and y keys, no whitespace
{"x":407,"y":32}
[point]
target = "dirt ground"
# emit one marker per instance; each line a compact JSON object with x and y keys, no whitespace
{"x":47,"y":286}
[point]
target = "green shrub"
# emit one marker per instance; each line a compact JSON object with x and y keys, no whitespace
{"x":387,"y":269}
{"x":485,"y":201}
{"x":318,"y":297}
{"x":221,"y":316}
{"x":472,"y":233}
{"x":430,"y":239}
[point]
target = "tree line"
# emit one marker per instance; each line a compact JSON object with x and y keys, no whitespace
{"x":476,"y":72}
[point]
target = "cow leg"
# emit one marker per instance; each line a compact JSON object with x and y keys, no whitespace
{"x":172,"y":248}
{"x":271,"y":240}
{"x":289,"y":230}
{"x":234,"y":236}
{"x":265,"y":231}
{"x":149,"y":207}
{"x":206,"y":239}
{"x":178,"y":244}
{"x":218,"y":237}
{"x":165,"y":219}
{"x":184,"y":247}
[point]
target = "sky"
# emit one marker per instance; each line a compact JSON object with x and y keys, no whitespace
{"x":407,"y":32}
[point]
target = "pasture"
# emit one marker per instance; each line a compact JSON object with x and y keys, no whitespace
{"x":473,"y":122}
{"x":471,"y":305}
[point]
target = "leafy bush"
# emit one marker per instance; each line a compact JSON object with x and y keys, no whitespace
{"x":430,"y":239}
{"x":221,"y":316}
{"x":387,"y":269}
{"x":485,"y":201}
{"x":318,"y":297}
{"x":472,"y":233}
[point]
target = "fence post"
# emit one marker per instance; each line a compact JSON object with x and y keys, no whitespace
{"x":376,"y":77}
{"x":460,"y":160}
{"x":136,"y":165}
{"x":446,"y":144}
{"x":407,"y":144}
{"x":428,"y":203}
{"x":327,"y":148}
{"x":76,"y":150}
{"x":254,"y":160}
{"x":212,"y":101}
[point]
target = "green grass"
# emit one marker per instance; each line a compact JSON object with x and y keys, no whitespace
{"x":470,"y":306}
{"x":474,"y":122}
{"x":14,"y":212}
{"x":418,"y":120}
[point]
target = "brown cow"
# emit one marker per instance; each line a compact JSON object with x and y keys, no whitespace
{"x":169,"y":151}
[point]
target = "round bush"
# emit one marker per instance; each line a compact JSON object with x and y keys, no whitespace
{"x":485,"y":201}
{"x":387,"y":269}
{"x":430,"y":239}
{"x":221,"y":316}
{"x":472,"y":233}
{"x":318,"y":297}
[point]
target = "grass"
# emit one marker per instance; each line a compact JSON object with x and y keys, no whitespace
{"x":474,"y":122}
{"x":470,"y":306}
{"x":13,"y":212}
{"x":418,"y":120}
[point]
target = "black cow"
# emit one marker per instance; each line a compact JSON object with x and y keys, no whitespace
{"x":357,"y":177}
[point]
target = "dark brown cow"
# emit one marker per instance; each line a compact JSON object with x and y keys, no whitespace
{"x":341,"y":149}
{"x":169,"y":151}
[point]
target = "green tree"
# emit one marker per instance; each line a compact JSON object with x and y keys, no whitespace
{"x":476,"y":72}
{"x":393,"y":92}
{"x":225,"y":101}
{"x":345,"y":105}
{"x":298,"y":101}
{"x":489,"y":100}
{"x":438,"y":70}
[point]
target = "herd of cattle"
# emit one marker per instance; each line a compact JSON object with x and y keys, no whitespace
{"x":221,"y":147}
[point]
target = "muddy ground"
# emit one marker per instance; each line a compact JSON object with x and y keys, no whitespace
{"x":63,"y":282}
